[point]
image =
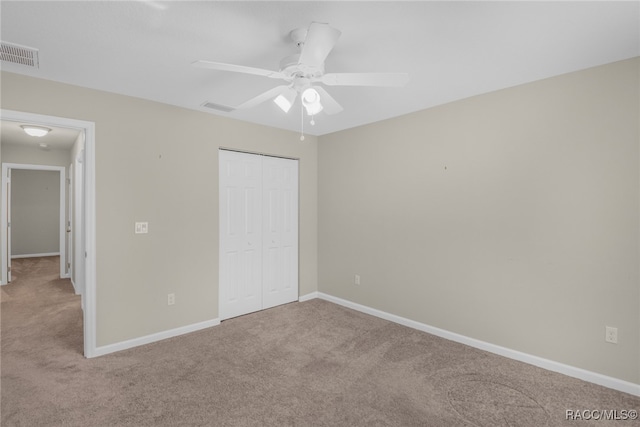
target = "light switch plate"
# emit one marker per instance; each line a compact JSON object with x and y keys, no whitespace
{"x":142,"y":227}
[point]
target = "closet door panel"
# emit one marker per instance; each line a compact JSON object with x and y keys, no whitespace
{"x":240,"y":278}
{"x":280,"y":231}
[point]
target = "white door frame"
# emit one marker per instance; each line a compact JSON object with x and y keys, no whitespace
{"x":62,"y":241}
{"x":89,"y":294}
{"x":68,"y":229}
{"x":78,"y":223}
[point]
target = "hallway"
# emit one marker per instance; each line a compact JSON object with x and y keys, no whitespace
{"x":39,"y":309}
{"x":41,"y":325}
{"x":37,"y":295}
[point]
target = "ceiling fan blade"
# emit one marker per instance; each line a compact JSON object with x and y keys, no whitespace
{"x":238,"y":69}
{"x":329,"y":104}
{"x":320,"y":40}
{"x":365,"y":79}
{"x":265,"y":96}
{"x":219,"y":107}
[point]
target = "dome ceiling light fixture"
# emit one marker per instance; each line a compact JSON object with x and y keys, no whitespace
{"x":37,"y":131}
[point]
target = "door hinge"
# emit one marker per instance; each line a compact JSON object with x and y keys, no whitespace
{"x":8,"y":224}
{"x":9,"y":269}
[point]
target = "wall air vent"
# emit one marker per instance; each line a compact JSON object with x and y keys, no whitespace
{"x":17,"y":54}
{"x":219,"y":107}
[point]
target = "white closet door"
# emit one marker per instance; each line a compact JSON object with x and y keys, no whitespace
{"x":280,"y":231}
{"x":258,"y":232}
{"x":240,"y":233}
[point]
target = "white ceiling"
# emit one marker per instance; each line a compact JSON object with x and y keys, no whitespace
{"x":451,"y":50}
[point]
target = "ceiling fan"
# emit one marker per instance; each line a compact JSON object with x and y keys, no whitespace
{"x":303,"y":72}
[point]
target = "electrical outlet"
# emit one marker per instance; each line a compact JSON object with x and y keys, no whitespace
{"x":356,"y":279}
{"x":171,"y":299}
{"x":611,"y":334}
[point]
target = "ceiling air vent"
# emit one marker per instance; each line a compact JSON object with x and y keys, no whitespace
{"x":17,"y":54}
{"x":220,"y":107}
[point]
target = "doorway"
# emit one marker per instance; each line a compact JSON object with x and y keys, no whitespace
{"x":87,"y":257}
{"x":23,"y":224}
{"x":258,"y":232}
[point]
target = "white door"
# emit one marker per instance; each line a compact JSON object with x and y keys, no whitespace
{"x":258,"y":232}
{"x":240,"y":234}
{"x":8,"y":248}
{"x":280,"y":231}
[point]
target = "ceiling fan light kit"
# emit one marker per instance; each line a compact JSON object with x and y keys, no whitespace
{"x":286,"y":99}
{"x":311,"y":101}
{"x":304,"y":72}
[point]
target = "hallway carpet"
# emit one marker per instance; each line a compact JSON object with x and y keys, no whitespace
{"x":302,"y":364}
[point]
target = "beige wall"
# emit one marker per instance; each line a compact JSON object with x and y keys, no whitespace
{"x":510,"y":217}
{"x":35,"y":212}
{"x":15,"y":153}
{"x":159,"y":163}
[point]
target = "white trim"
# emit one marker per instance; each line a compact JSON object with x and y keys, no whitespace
{"x":89,"y":289}
{"x":148,"y":339}
{"x":308,"y":296}
{"x":78,"y":262}
{"x":75,"y":289}
{"x":550,"y":365}
{"x":61,"y":209}
{"x":89,"y":296}
{"x":35,"y":255}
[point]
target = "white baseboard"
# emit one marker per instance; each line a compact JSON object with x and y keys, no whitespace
{"x":35,"y":255}
{"x":550,"y":365}
{"x":135,"y":342}
{"x":75,"y":288}
{"x":148,"y":339}
{"x":308,"y":297}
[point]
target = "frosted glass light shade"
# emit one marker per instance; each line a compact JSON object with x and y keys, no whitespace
{"x":286,"y":99}
{"x":311,"y":101}
{"x":35,"y":130}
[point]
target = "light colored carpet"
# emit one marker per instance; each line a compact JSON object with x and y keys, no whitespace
{"x":302,"y":364}
{"x":4,"y":296}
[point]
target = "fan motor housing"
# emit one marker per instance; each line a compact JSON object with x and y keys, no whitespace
{"x":292,"y":68}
